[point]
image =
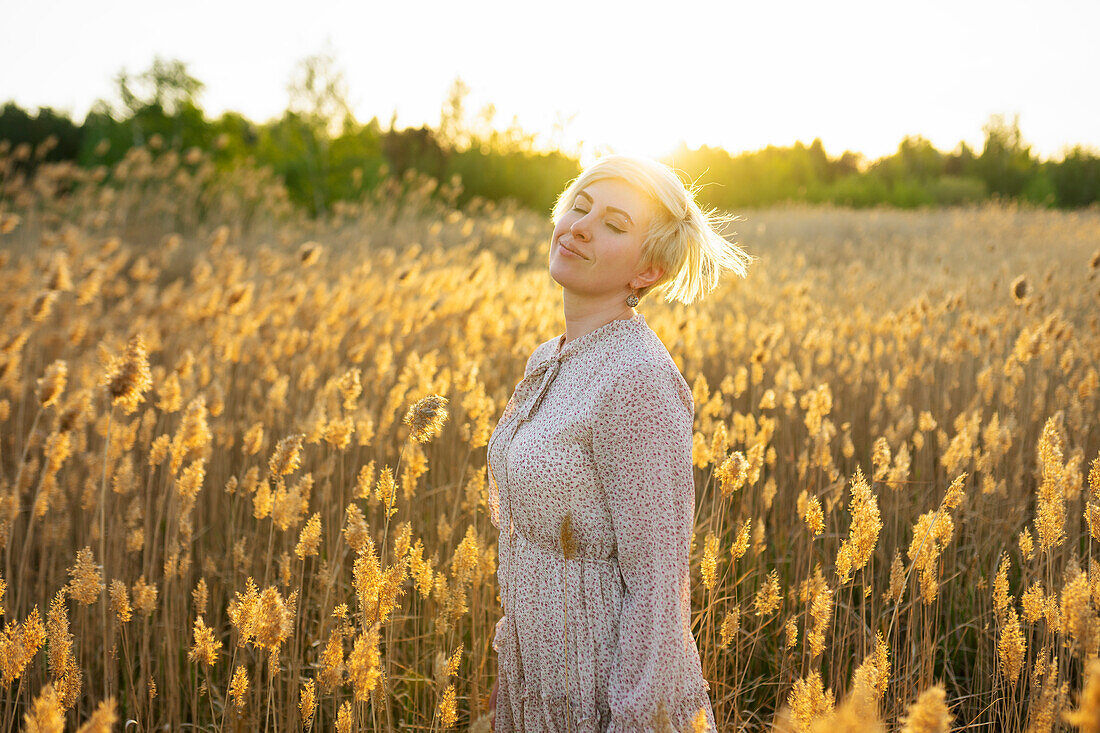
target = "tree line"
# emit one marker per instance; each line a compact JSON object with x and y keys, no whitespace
{"x":324,"y":155}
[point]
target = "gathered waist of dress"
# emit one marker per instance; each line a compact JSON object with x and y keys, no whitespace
{"x":555,"y":553}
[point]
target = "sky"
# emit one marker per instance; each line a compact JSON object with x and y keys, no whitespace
{"x":622,"y":76}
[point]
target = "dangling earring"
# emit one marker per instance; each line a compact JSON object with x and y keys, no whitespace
{"x":632,"y":299}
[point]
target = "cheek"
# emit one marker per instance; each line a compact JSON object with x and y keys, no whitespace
{"x":560,"y":228}
{"x":632,"y":253}
{"x":624,"y":255}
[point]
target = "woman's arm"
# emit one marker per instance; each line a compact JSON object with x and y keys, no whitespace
{"x":642,"y":436}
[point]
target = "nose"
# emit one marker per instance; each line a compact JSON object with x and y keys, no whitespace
{"x":579,"y":228}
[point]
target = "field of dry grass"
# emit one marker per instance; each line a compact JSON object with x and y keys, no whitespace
{"x":216,"y":507}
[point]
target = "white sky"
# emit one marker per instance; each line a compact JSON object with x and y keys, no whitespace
{"x":638,"y":77}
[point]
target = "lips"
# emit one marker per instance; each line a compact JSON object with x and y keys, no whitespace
{"x":570,"y":249}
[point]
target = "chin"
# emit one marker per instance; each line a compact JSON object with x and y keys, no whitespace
{"x":556,"y":275}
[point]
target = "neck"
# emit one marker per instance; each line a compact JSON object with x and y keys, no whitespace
{"x":583,"y":315}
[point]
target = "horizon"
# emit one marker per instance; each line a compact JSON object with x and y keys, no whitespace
{"x":843,"y":75}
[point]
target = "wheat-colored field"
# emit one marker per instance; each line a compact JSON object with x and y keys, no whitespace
{"x":229,"y":499}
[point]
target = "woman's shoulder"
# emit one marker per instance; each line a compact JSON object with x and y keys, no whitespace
{"x":642,"y":351}
{"x":542,"y":352}
{"x":643,"y":362}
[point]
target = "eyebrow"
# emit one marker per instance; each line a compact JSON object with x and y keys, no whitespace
{"x":609,"y":208}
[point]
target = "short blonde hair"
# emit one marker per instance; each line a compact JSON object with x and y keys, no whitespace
{"x":681,"y":238}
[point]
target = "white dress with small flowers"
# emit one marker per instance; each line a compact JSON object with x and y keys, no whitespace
{"x":600,"y":428}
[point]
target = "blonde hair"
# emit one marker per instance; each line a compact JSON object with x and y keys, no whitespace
{"x":681,"y":238}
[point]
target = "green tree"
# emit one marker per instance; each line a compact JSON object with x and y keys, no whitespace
{"x":1006,"y":163}
{"x":319,"y":104}
{"x":453,"y":131}
{"x":51,"y":135}
{"x":165,"y":84}
{"x":163,"y":100}
{"x":416,"y":148}
{"x":1076,"y":179}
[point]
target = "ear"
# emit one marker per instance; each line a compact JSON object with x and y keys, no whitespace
{"x":647,"y":277}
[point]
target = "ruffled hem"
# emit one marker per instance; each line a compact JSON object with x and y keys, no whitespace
{"x":551,"y":715}
{"x":680,"y":716}
{"x":526,"y":709}
{"x":522,"y":704}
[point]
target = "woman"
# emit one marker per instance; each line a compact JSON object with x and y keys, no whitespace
{"x":590,"y":474}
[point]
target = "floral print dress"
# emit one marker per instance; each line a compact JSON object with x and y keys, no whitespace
{"x":599,"y":428}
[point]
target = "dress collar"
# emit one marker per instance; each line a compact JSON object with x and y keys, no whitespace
{"x":559,"y":353}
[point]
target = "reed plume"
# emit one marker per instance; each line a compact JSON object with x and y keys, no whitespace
{"x":425,"y":417}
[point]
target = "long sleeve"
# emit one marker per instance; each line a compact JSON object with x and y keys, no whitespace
{"x":642,"y":434}
{"x":494,"y":497}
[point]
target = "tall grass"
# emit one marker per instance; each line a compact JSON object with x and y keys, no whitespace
{"x":217,"y":507}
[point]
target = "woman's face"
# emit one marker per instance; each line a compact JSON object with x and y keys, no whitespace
{"x":597,"y":243}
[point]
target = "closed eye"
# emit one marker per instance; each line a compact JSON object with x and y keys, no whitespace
{"x":610,"y":226}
